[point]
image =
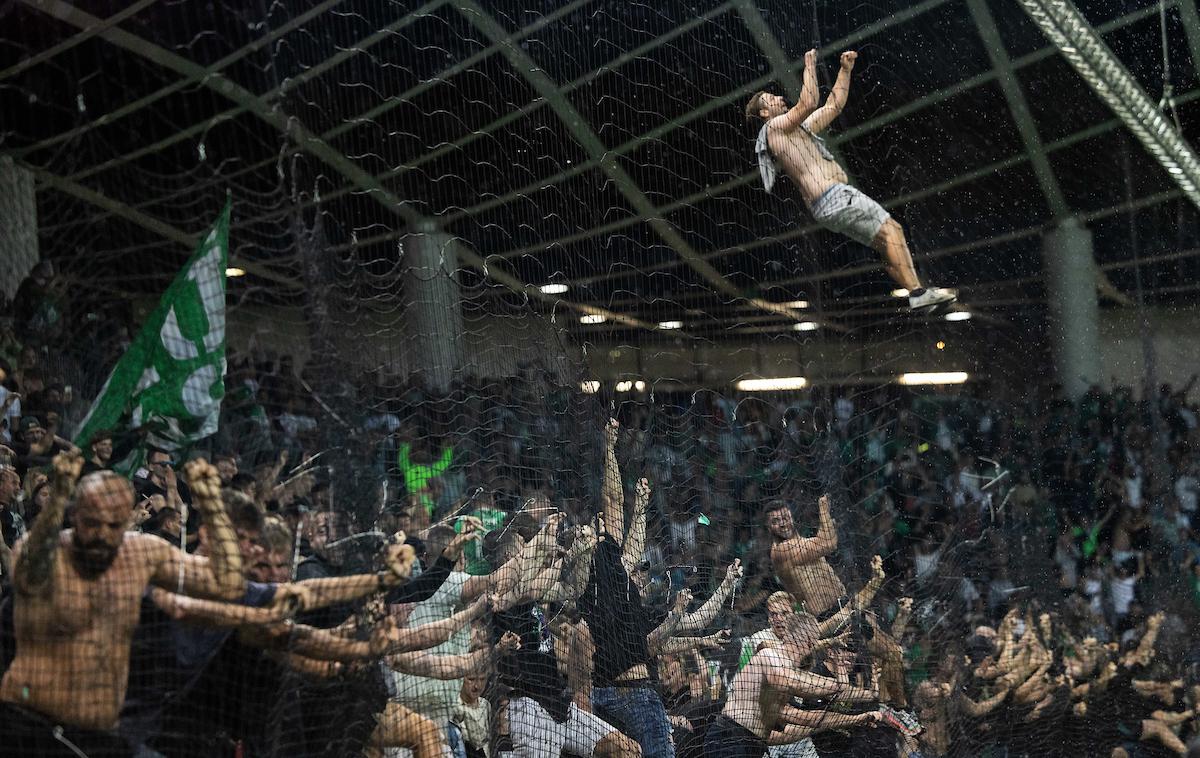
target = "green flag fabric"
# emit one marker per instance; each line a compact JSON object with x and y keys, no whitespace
{"x":171,"y":380}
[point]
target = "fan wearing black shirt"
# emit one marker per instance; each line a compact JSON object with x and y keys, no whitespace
{"x":542,"y":717}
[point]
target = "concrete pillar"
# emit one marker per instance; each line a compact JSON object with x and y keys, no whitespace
{"x":433,"y":306}
{"x":18,"y":225}
{"x":1074,"y":308}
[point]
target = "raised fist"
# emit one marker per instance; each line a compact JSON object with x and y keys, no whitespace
{"x":66,"y":472}
{"x":399,"y":558}
{"x":509,"y":643}
{"x":848,"y":59}
{"x":610,"y":431}
{"x":810,"y":58}
{"x":642,"y":490}
{"x":204,"y":481}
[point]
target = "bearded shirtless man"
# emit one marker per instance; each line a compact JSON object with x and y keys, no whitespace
{"x":800,"y":565}
{"x":77,"y":596}
{"x":757,"y":712}
{"x":790,"y":138}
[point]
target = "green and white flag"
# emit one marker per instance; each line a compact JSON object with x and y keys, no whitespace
{"x":171,"y":380}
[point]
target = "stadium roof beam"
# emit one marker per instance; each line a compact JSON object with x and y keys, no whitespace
{"x":1006,"y":77}
{"x":1019,"y":108}
{"x":148,"y":222}
{"x":75,"y":40}
{"x":598,"y":152}
{"x":855,"y":131}
{"x":1084,"y":49}
{"x":1191,"y":28}
{"x":159,"y":94}
{"x":924,"y":192}
{"x":784,"y":72}
{"x":292,"y":128}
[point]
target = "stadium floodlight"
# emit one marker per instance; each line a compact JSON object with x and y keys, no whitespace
{"x":670,"y":324}
{"x":933,"y":377}
{"x":590,"y":386}
{"x":553,"y":289}
{"x":772,"y":385}
{"x":806,"y":326}
{"x":627,"y":385}
{"x":797,"y":304}
{"x":1065,"y":26}
{"x":958,"y":316}
{"x":234,"y":271}
{"x":593,"y":318}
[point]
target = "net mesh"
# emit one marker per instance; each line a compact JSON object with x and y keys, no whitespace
{"x":501,"y":278}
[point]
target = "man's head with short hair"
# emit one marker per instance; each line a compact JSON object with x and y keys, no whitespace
{"x":101,"y":445}
{"x":778,"y":518}
{"x":274,"y":562}
{"x":436,"y":538}
{"x":764,"y":106}
{"x":227,"y":467}
{"x":792,"y":626}
{"x":102,"y":512}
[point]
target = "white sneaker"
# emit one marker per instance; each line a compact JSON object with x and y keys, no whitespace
{"x":932,"y":297}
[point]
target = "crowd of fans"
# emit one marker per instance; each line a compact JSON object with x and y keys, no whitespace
{"x":570,"y":583}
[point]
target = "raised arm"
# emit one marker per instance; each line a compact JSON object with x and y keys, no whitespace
{"x":820,"y":120}
{"x":801,"y":550}
{"x":635,"y":542}
{"x":809,"y":97}
{"x":705,"y":614}
{"x":220,"y":575}
{"x":670,"y":624}
{"x":33,"y":559}
{"x":578,"y":562}
{"x":1144,"y":653}
{"x":612,"y":495}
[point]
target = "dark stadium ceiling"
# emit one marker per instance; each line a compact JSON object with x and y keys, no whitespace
{"x":595,"y":143}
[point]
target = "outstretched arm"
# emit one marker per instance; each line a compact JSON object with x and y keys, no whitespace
{"x":809,"y":97}
{"x":635,"y":542}
{"x":820,"y":120}
{"x":612,"y":496}
{"x":783,"y":676}
{"x":571,"y":584}
{"x":446,"y":667}
{"x":801,"y":550}
{"x":393,"y":640}
{"x":704,"y":615}
{"x":714,"y":641}
{"x":33,"y":560}
{"x":670,"y":624}
{"x":220,"y":575}
{"x":214,"y":612}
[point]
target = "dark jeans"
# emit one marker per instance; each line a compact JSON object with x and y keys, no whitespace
{"x":639,"y":713}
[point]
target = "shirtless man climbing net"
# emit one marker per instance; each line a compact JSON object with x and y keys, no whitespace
{"x":791,"y":139}
{"x":801,"y":566}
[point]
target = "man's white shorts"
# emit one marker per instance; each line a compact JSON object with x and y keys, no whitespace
{"x":846,"y":210}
